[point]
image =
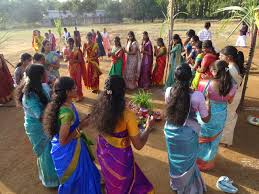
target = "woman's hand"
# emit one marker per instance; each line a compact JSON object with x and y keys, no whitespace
{"x":149,"y":122}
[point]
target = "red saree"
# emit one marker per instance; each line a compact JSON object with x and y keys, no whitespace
{"x":6,"y":82}
{"x":158,"y":72}
{"x":76,"y":68}
{"x":93,"y":72}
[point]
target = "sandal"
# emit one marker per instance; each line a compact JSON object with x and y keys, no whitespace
{"x":225,"y":184}
{"x":253,"y":120}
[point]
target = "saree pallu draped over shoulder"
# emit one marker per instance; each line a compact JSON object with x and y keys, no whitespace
{"x":121,"y":173}
{"x":73,"y":162}
{"x":41,"y":145}
{"x":158,"y":72}
{"x":146,"y":65}
{"x":133,"y":65}
{"x":118,"y":62}
{"x":92,"y":66}
{"x":182,"y":145}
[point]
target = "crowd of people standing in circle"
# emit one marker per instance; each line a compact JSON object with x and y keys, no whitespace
{"x":202,"y":93}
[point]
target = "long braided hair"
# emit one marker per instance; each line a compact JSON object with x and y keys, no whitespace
{"x":59,"y":97}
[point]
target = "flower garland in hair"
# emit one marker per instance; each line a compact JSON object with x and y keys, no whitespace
{"x":226,"y":69}
{"x":109,"y":92}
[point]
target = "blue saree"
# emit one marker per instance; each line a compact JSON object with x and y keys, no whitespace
{"x":176,"y":59}
{"x":74,"y":166}
{"x":211,"y":134}
{"x":182,"y":145}
{"x":33,"y":110}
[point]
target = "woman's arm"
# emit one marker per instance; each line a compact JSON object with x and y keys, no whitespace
{"x":133,"y":51}
{"x":140,"y":140}
{"x":65,"y":136}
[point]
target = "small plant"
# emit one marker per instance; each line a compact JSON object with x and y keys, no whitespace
{"x":142,"y":99}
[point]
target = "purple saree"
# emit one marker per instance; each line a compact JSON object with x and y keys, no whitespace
{"x":121,"y":173}
{"x":146,"y":65}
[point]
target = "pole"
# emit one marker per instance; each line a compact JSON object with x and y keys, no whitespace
{"x":249,"y":62}
{"x":170,"y":13}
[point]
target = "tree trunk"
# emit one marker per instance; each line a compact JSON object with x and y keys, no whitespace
{"x":170,"y":13}
{"x":249,"y":62}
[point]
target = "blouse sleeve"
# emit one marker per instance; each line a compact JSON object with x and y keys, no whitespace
{"x":232,"y":92}
{"x":66,"y":115}
{"x":131,"y":123}
{"x":198,"y":104}
{"x":167,"y":95}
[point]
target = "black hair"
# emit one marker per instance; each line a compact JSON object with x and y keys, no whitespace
{"x":161,"y":41}
{"x":145,"y":33}
{"x":131,"y":33}
{"x":208,"y":44}
{"x":43,"y":45}
{"x":24,"y":57}
{"x":195,"y":38}
{"x":237,"y":56}
{"x":89,"y":34}
{"x":224,"y":77}
{"x":70,"y":39}
{"x":110,"y":106}
{"x":59,"y":97}
{"x":207,"y":25}
{"x":117,"y":38}
{"x":198,"y":45}
{"x":65,"y":29}
{"x":190,"y":33}
{"x":177,"y":37}
{"x":35,"y":74}
{"x":179,"y":105}
{"x":38,"y":57}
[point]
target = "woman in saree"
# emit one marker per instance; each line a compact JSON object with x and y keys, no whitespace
{"x":25,"y":61}
{"x":187,"y":44}
{"x":37,"y":40}
{"x":175,"y":59}
{"x":70,"y":148}
{"x":133,"y":64}
{"x":31,"y":95}
{"x":146,"y":63}
{"x":6,"y":82}
{"x":76,"y":66}
{"x":99,"y":40}
{"x":160,"y":54}
{"x":182,"y":132}
{"x":106,"y":41}
{"x":90,"y":53}
{"x":118,"y":129}
{"x":220,"y":91}
{"x":52,"y":61}
{"x":235,"y":60}
{"x":118,"y":58}
{"x":209,"y":57}
{"x":197,"y":64}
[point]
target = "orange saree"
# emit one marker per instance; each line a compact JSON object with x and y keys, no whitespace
{"x":158,"y":72}
{"x":76,"y":68}
{"x":90,"y":52}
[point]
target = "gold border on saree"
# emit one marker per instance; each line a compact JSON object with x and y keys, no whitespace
{"x":123,"y":142}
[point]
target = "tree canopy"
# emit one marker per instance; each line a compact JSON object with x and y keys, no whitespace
{"x":31,"y":11}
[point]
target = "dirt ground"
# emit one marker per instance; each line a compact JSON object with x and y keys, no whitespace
{"x":18,"y":170}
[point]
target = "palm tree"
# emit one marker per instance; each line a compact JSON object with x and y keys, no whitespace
{"x":246,"y":13}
